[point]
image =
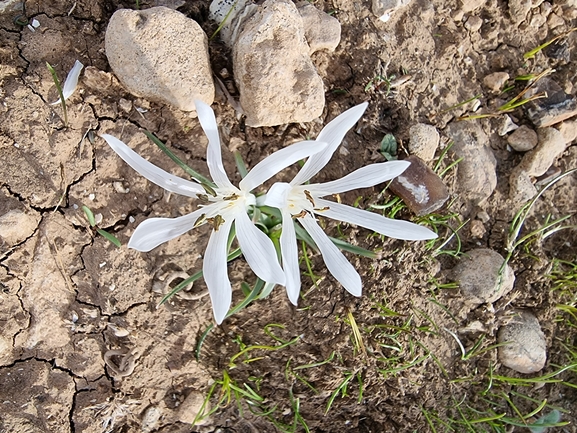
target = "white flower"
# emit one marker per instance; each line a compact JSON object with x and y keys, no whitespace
{"x":228,"y":206}
{"x":71,"y":81}
{"x":301,"y":201}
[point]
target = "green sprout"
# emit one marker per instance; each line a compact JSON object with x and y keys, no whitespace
{"x":92,"y":221}
{"x":60,"y":93}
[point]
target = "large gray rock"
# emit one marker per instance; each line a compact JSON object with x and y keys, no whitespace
{"x":480,"y":277}
{"x":524,"y":347}
{"x":476,"y":172}
{"x":161,"y":55}
{"x":276,"y":78}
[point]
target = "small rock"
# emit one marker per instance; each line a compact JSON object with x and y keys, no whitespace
{"x":518,"y":9}
{"x":495,"y":81}
{"x":383,"y":8}
{"x":523,"y":139}
{"x":477,"y":171}
{"x":125,"y":105}
{"x":470,"y":5}
{"x":322,"y":31}
{"x":558,"y":51}
{"x":150,"y":419}
{"x":551,"y":146}
{"x":422,"y":190}
{"x":423,"y":141}
{"x":191,"y":407}
{"x":277,"y":80}
{"x":555,"y":108}
{"x":477,"y":229}
{"x":568,"y":130}
{"x":95,"y":79}
{"x":484,"y":216}
{"x":479,"y":278}
{"x":526,"y":351}
{"x":521,"y":188}
{"x":555,"y":20}
{"x":473,"y":23}
{"x":160,"y":54}
{"x":506,"y":125}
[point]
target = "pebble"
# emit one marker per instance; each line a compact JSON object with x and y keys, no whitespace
{"x":423,"y":141}
{"x":523,"y":139}
{"x":477,"y":229}
{"x":555,"y":108}
{"x":521,"y":188}
{"x":420,"y":188}
{"x":383,"y":8}
{"x":518,"y":9}
{"x":479,"y":278}
{"x":473,"y":23}
{"x":495,"y":81}
{"x":527,"y":348}
{"x":276,"y":78}
{"x":191,"y":407}
{"x":550,"y":147}
{"x":161,"y":55}
{"x":322,"y":31}
{"x":568,"y":130}
{"x":470,"y":5}
{"x":477,"y":171}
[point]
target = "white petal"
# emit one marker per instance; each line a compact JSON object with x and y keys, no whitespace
{"x":336,"y":262}
{"x":392,"y":228}
{"x":71,"y":81}
{"x":333,"y":134}
{"x":258,"y":250}
{"x":155,"y":231}
{"x":215,"y":271}
{"x":362,"y":178}
{"x":277,"y":195}
{"x":290,"y":257}
{"x":278,"y":161}
{"x":213,"y":152}
{"x":150,"y":171}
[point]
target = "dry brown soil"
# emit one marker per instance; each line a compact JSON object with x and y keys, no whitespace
{"x":83,"y":346}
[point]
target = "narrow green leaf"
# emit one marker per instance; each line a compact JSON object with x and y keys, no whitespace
{"x":345,"y":246}
{"x":110,"y":237}
{"x":60,"y":94}
{"x":89,"y":216}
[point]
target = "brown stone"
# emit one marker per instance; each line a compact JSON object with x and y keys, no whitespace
{"x":422,"y":190}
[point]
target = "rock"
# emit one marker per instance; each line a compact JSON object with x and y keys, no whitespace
{"x":527,"y":349}
{"x":322,"y":31}
{"x":555,"y":108}
{"x":473,"y":23}
{"x":506,"y":125}
{"x":518,"y":9}
{"x":276,"y":78}
{"x":420,"y":188}
{"x":470,"y":5}
{"x":521,"y":188}
{"x":161,"y":55}
{"x":568,"y":130}
{"x":191,"y":407}
{"x":384,"y":8}
{"x":551,"y":146}
{"x":477,"y":229}
{"x":479,"y":277}
{"x":495,"y":81}
{"x":555,"y":20}
{"x":423,"y":141}
{"x":476,"y":172}
{"x":523,"y":139}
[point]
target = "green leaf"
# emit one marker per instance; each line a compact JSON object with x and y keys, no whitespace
{"x":345,"y":246}
{"x":389,"y":147}
{"x":206,"y":182}
{"x":89,"y":216}
{"x":60,"y":94}
{"x":113,"y":239}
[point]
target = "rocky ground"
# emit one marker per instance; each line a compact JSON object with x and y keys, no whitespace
{"x":447,"y":336}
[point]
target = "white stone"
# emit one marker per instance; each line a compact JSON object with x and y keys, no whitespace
{"x":423,"y":141}
{"x":539,"y":160}
{"x":386,"y":7}
{"x":568,"y":130}
{"x":524,"y":347}
{"x":277,"y":80}
{"x":322,"y":31}
{"x":161,"y":55}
